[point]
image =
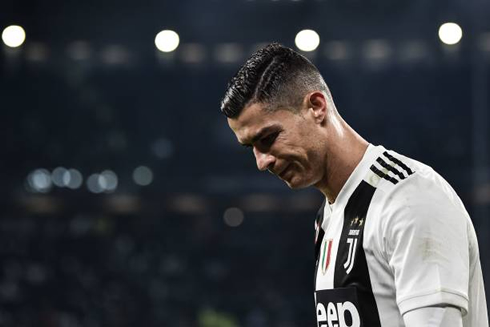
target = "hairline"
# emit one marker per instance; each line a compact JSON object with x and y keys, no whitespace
{"x":269,"y":106}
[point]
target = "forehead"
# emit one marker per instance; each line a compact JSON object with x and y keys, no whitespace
{"x":255,"y":118}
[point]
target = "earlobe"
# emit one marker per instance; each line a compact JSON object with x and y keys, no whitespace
{"x":316,"y":114}
{"x":317,"y":103}
{"x":320,"y":117}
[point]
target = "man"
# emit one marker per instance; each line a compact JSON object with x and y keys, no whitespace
{"x":395,"y":245}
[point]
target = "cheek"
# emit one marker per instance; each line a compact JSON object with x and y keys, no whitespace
{"x":298,"y":155}
{"x":300,"y":149}
{"x":313,"y":164}
{"x":305,"y":163}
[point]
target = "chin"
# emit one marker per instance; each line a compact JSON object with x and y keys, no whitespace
{"x":296,"y":184}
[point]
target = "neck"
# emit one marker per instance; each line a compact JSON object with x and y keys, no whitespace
{"x":345,"y":150}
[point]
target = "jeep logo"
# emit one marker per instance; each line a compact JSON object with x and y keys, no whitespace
{"x":338,"y":315}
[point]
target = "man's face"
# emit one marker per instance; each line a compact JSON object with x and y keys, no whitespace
{"x":283,"y":142}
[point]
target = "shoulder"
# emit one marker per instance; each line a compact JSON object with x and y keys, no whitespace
{"x":414,"y":194}
{"x":410,"y":184}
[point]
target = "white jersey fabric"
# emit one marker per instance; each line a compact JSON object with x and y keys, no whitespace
{"x":397,"y":238}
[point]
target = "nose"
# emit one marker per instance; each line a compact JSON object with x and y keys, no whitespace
{"x":264,"y":160}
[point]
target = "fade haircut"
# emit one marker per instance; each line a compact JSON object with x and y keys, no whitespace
{"x":275,"y":76}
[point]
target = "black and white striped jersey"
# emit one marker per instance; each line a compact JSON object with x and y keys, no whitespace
{"x":396,"y":239}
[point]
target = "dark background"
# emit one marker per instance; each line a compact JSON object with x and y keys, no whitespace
{"x":88,"y":90}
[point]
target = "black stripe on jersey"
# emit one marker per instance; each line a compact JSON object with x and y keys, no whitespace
{"x":351,"y":268}
{"x":383,"y":175}
{"x":398,"y":162}
{"x":390,"y":168}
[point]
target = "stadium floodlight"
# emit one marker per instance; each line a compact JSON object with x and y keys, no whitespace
{"x":450,"y":33}
{"x":13,"y":36}
{"x":167,"y":41}
{"x":307,"y":40}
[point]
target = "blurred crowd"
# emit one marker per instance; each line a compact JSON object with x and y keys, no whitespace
{"x":93,"y":270}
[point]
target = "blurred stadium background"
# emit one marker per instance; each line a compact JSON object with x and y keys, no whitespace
{"x":125,"y":200}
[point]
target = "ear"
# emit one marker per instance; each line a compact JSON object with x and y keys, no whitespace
{"x":316,"y":103}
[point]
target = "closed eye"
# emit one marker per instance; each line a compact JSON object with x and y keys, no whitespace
{"x":269,"y":139}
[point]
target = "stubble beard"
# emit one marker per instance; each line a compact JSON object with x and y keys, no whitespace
{"x":300,"y":181}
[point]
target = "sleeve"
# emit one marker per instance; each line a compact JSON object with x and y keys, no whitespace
{"x":434,"y":317}
{"x":426,"y":244}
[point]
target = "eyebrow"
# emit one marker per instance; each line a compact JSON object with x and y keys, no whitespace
{"x":265,"y":130}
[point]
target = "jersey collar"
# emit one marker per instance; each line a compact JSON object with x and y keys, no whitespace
{"x":372,"y":152}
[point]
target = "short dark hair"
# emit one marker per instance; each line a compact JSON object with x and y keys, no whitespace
{"x":274,"y":75}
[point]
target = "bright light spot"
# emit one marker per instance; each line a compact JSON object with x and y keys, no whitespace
{"x":94,"y":184}
{"x":13,"y":36}
{"x":450,"y":33}
{"x":40,"y":180}
{"x":143,"y":176}
{"x":108,"y":180}
{"x":58,"y":176}
{"x":72,"y":179}
{"x":233,"y":217}
{"x":167,"y":41}
{"x":307,"y":40}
